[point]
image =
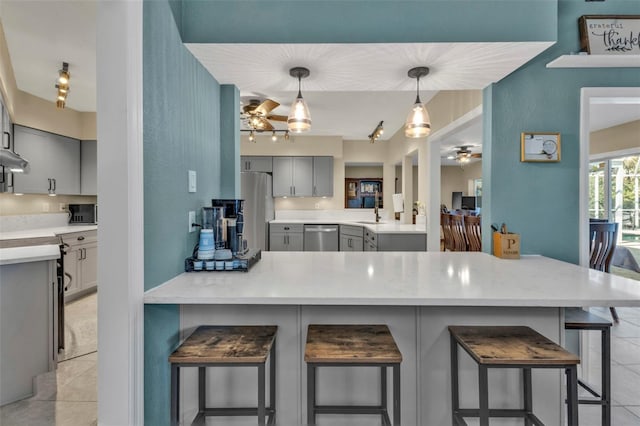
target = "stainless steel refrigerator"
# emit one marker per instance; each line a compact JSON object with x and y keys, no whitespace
{"x":257,"y":193}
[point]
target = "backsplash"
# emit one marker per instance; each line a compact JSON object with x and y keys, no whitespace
{"x":32,"y":204}
{"x":32,"y":221}
{"x":344,"y":214}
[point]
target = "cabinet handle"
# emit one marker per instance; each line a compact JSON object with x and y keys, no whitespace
{"x":314,"y":190}
{"x":84,"y":253}
{"x":9,"y":139}
{"x":54,"y":185}
{"x":248,"y":165}
{"x":294,"y":190}
{"x":80,"y":238}
{"x":79,"y":254}
{"x":49,"y":179}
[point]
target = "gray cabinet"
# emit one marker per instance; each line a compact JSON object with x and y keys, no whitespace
{"x":250,"y":163}
{"x":80,"y":263}
{"x":292,"y":176}
{"x":323,"y":176}
{"x":6,"y":176}
{"x":286,"y":237}
{"x":370,"y":241}
{"x":88,"y":168}
{"x":351,"y":238}
{"x":402,"y":242}
{"x":54,"y":162}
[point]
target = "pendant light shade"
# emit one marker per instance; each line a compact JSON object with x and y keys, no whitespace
{"x":299,"y":119}
{"x":418,"y":123}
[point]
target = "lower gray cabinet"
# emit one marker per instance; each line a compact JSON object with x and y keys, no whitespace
{"x":402,"y":242}
{"x":370,"y":241}
{"x":351,"y":238}
{"x":286,"y":237}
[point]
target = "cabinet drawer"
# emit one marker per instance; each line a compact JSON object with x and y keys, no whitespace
{"x":370,"y":235}
{"x":286,"y":227}
{"x":354,"y":231}
{"x":75,"y":238}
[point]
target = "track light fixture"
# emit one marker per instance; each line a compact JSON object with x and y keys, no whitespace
{"x":274,"y":134}
{"x":418,"y":123}
{"x":377,"y":132}
{"x":299,"y":119}
{"x":62,"y":84}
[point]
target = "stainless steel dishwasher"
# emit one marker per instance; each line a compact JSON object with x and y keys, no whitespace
{"x":321,"y":237}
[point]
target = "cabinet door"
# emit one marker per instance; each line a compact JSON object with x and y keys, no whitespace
{"x":89,"y":266}
{"x":88,"y":168}
{"x":323,"y":176}
{"x":357,"y":243}
{"x":66,"y":164}
{"x":278,"y":241}
{"x":71,"y":269}
{"x":302,"y":176}
{"x":282,"y":177}
{"x":295,"y":241}
{"x":347,"y":243}
{"x":256,"y":164}
{"x":36,"y":148}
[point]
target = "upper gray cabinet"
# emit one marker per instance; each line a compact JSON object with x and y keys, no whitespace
{"x":54,"y":162}
{"x":88,"y":168}
{"x":256,"y":164}
{"x":323,"y":176}
{"x":292,"y":176}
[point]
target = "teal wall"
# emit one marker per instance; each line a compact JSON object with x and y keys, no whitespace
{"x":537,"y":200}
{"x":367,"y":21}
{"x":230,"y":137}
{"x":181,"y":132}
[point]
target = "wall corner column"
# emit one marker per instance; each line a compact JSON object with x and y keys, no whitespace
{"x":229,"y":141}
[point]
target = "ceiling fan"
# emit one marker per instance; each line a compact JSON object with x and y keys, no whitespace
{"x":257,"y":115}
{"x":462,"y":154}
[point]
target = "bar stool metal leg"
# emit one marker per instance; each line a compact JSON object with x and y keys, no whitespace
{"x":483,"y":389}
{"x":572,"y":396}
{"x":606,"y":376}
{"x":383,"y":391}
{"x":311,"y":394}
{"x":261,"y":394}
{"x":528,"y":395}
{"x":272,"y":381}
{"x":396,"y":395}
{"x":202,"y":389}
{"x":455,"y":403}
{"x":175,"y":395}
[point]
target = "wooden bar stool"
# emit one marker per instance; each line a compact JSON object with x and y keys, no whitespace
{"x":352,"y":345}
{"x":226,"y":346}
{"x":578,"y":319}
{"x":509,"y":347}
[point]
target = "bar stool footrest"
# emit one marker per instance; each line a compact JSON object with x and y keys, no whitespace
{"x":497,"y":412}
{"x":232,"y":411}
{"x":354,"y":409}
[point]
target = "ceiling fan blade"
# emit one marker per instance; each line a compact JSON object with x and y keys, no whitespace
{"x":265,"y":107}
{"x":263,"y":124}
{"x":477,"y":155}
{"x":277,"y":117}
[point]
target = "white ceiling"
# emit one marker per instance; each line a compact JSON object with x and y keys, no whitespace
{"x":351,"y":88}
{"x":613,"y":112}
{"x":354,"y":86}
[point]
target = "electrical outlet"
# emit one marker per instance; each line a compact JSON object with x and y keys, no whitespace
{"x":192,"y":220}
{"x":317,"y":205}
{"x":45,"y":207}
{"x":62,"y":207}
{"x":192,"y":181}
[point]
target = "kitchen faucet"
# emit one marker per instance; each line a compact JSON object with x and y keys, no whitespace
{"x":375,"y":206}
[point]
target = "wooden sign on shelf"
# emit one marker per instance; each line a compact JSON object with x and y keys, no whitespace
{"x":610,"y":34}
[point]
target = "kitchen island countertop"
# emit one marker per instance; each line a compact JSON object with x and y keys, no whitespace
{"x":401,"y":279}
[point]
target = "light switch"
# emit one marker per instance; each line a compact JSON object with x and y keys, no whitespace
{"x":192,"y":181}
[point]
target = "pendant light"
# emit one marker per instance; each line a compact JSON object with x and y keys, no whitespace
{"x":299,"y":119}
{"x":418,"y":123}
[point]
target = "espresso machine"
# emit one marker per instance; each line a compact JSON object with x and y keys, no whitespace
{"x":226,"y":218}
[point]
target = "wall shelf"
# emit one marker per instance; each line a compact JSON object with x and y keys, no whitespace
{"x":595,"y":61}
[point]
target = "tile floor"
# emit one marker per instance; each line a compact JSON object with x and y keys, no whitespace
{"x":68,"y":396}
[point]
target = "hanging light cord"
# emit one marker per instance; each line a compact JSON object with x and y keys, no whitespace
{"x":299,"y":87}
{"x":418,"y":89}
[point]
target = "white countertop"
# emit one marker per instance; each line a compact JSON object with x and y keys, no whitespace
{"x":13,"y":255}
{"x":46,"y":232}
{"x":401,"y":279}
{"x":389,"y":227}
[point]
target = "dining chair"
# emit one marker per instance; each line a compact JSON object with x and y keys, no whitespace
{"x":458,"y":232}
{"x":602,"y":243}
{"x":445,"y":223}
{"x":473,"y":232}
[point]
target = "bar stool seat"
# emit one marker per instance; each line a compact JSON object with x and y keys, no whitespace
{"x":228,"y":346}
{"x":579,"y":319}
{"x":352,"y":345}
{"x":509,"y":347}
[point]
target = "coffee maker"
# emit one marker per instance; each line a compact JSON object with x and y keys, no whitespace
{"x":226,"y":218}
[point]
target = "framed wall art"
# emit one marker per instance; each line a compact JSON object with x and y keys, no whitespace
{"x":540,"y":147}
